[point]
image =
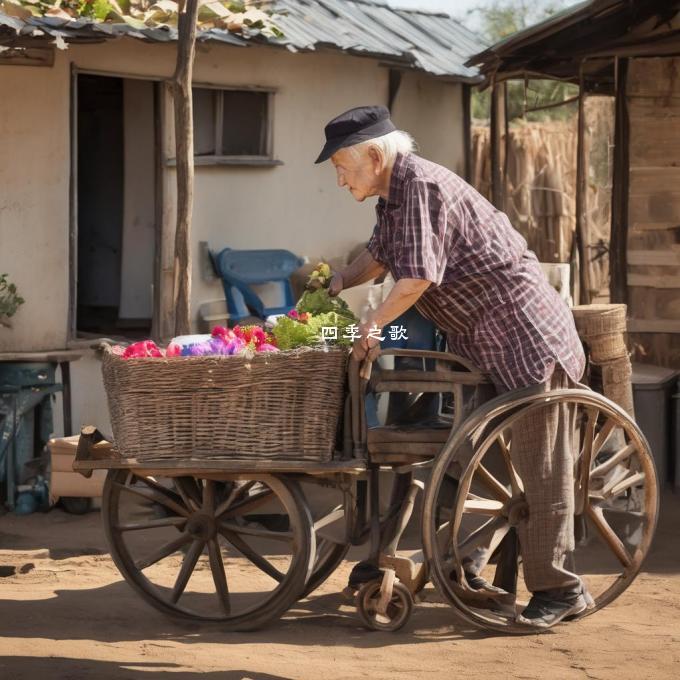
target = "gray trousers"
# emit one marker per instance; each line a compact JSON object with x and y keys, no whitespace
{"x":543,"y":454}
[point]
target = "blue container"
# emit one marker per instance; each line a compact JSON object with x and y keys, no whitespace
{"x":27,"y":374}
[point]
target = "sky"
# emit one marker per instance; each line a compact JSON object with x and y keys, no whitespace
{"x":455,"y":8}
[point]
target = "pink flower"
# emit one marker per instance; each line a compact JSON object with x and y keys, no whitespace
{"x":222,"y":332}
{"x":293,"y":314}
{"x":145,"y":348}
{"x":173,"y":350}
{"x":258,"y":335}
{"x":235,"y":346}
{"x":267,"y":347}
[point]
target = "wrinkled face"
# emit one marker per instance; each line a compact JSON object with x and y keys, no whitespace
{"x":360,"y":173}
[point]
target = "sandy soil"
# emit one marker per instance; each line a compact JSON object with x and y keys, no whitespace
{"x":66,"y":613}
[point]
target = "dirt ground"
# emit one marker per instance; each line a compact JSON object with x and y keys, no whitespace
{"x":66,"y":613}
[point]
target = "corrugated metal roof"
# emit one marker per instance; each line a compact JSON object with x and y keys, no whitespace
{"x":434,"y":43}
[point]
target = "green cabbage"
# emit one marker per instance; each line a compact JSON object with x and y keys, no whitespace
{"x":320,"y":302}
{"x":290,"y":333}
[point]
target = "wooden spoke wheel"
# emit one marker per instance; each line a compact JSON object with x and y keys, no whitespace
{"x":235,"y":552}
{"x":616,"y":507}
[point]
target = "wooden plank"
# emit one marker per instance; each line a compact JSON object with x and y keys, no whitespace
{"x":654,"y":133}
{"x":654,"y":257}
{"x":661,"y":349}
{"x":654,"y":180}
{"x":654,"y":281}
{"x":654,"y":209}
{"x":653,"y":326}
{"x":654,"y":303}
{"x":659,"y":77}
{"x":654,"y":108}
{"x":646,"y":225}
{"x":225,"y":467}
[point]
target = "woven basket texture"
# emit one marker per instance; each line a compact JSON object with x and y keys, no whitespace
{"x":282,"y":405}
{"x":592,"y":320}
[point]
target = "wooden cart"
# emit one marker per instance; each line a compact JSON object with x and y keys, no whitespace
{"x":245,"y":545}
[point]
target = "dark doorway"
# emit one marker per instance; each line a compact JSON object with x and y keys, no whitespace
{"x":115,"y":231}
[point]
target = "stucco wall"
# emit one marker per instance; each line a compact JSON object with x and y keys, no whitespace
{"x":432,"y":112}
{"x":34,"y":186}
{"x":296,"y":206}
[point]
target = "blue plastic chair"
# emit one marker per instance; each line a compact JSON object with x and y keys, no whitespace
{"x":240,"y":269}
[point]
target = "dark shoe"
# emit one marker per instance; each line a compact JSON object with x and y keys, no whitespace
{"x":478,"y":583}
{"x":546,"y":608}
{"x":363,"y":572}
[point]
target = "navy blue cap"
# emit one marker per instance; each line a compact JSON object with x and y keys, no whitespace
{"x":355,"y":126}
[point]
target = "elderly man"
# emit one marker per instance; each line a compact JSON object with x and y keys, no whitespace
{"x":460,"y":262}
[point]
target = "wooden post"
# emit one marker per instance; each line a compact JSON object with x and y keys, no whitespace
{"x":497,"y":127}
{"x":618,"y":288}
{"x":184,"y":144}
{"x":581,"y":231}
{"x":467,"y":131}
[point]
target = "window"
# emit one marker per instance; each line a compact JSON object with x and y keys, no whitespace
{"x":232,"y":126}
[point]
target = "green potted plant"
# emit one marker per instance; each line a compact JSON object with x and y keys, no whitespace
{"x":10,"y":300}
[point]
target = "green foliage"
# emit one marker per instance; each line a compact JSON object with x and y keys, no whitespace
{"x":290,"y":334}
{"x":101,"y":9}
{"x":238,"y":16}
{"x":333,"y":320}
{"x":500,"y":20}
{"x":320,"y":302}
{"x":10,"y":300}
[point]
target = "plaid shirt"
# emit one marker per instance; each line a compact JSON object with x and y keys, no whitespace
{"x":489,"y":293}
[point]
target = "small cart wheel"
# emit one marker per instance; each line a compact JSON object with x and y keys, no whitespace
{"x":398,"y":610}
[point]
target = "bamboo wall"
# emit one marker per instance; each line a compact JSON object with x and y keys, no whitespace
{"x":653,"y":90}
{"x":540,"y":185}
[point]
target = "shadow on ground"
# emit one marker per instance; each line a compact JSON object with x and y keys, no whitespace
{"x":17,"y":667}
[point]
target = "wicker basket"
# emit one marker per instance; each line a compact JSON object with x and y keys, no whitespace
{"x":283,"y":405}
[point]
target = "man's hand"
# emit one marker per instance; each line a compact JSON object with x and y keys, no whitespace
{"x":336,"y":285}
{"x":368,"y":345}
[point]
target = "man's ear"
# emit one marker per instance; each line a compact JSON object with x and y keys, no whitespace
{"x":377,"y":159}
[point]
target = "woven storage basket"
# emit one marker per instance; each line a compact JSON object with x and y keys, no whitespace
{"x":279,"y":405}
{"x":603,"y":328}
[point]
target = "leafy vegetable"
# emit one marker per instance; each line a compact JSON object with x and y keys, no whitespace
{"x":290,"y":334}
{"x":320,"y":302}
{"x":333,"y":320}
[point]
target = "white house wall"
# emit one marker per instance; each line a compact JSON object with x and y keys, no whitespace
{"x":34,"y":202}
{"x":296,"y":206}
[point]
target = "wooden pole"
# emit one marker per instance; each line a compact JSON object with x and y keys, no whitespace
{"x":467,"y":131}
{"x":497,"y":126}
{"x":184,"y":144}
{"x":618,"y":285}
{"x":581,"y":231}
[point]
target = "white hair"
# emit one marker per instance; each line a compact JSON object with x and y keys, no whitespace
{"x":391,"y":144}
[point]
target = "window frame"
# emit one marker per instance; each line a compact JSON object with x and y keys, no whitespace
{"x":265,"y":160}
